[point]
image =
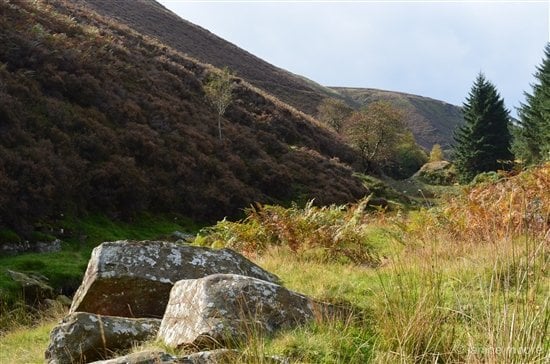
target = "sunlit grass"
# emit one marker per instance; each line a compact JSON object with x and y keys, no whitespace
{"x":439,"y":293}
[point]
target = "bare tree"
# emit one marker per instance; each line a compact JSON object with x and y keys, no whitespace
{"x":218,"y":90}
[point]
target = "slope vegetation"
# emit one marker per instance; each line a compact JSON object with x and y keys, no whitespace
{"x":98,"y":118}
{"x":150,"y":18}
{"x":431,"y":121}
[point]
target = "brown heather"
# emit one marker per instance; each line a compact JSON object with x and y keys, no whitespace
{"x":98,"y":118}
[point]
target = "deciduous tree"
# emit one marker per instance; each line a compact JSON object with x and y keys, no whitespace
{"x":436,"y":154}
{"x":375,"y":132}
{"x":218,"y":90}
{"x":333,"y":112}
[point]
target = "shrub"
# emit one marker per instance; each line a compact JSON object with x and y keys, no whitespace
{"x":330,"y":233}
{"x":437,"y":173}
{"x":511,"y":207}
{"x":8,"y":236}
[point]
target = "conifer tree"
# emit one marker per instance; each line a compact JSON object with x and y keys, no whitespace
{"x":532,"y":144}
{"x":482,"y":143}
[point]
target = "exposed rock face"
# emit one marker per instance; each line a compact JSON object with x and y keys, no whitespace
{"x":84,"y":337}
{"x":134,"y":279}
{"x":222,"y":308}
{"x":34,"y":287}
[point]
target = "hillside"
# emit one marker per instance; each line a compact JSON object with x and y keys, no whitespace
{"x":431,"y":121}
{"x":150,"y":18}
{"x":97,"y":118}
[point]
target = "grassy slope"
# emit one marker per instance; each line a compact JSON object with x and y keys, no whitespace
{"x":431,"y":121}
{"x":26,"y":346}
{"x":463,"y":282}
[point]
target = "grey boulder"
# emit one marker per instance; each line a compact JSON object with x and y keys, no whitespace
{"x":219,"y":356}
{"x":84,"y":337}
{"x":134,"y":279}
{"x":221,"y":309}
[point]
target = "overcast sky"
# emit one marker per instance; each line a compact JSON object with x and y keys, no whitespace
{"x":429,"y":48}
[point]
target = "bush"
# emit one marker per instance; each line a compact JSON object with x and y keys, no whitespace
{"x":8,"y":236}
{"x":333,"y":233}
{"x":437,"y":173}
{"x":487,"y":177}
{"x":511,"y":207}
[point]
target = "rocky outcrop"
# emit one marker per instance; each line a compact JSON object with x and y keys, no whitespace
{"x":134,"y":279}
{"x":223,"y":308}
{"x":35,"y":288}
{"x":206,"y":310}
{"x":15,"y":248}
{"x":84,"y":337}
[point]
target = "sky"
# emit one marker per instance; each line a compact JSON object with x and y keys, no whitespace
{"x":430,"y":48}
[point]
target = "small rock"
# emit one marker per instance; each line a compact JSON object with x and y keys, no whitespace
{"x":35,"y":289}
{"x":187,"y":237}
{"x":14,"y":248}
{"x":64,"y":300}
{"x":84,"y":337}
{"x":48,"y":247}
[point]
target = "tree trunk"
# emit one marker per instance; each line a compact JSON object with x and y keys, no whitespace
{"x":220,"y":126}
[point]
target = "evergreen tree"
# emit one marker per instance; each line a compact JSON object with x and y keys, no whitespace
{"x":532,"y":143}
{"x":482,"y":144}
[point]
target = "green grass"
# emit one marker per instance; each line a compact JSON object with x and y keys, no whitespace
{"x":26,"y":345}
{"x":64,"y":269}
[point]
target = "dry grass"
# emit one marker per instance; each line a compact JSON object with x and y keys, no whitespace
{"x":441,"y":295}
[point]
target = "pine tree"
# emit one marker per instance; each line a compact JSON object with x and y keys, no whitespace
{"x":482,"y":144}
{"x":532,"y":143}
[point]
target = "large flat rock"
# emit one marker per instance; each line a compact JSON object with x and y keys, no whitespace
{"x":84,"y":337}
{"x":134,"y":278}
{"x":222,"y":309}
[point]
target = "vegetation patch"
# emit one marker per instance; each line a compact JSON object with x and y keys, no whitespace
{"x":332,"y":233}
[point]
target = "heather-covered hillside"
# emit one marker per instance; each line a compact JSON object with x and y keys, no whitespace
{"x":95,"y":117}
{"x":150,"y":18}
{"x":431,"y":121}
